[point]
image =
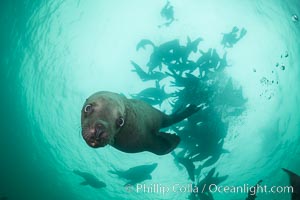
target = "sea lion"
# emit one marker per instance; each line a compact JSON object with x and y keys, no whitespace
{"x":129,"y":125}
{"x":253,"y":192}
{"x":90,"y":179}
{"x":295,"y":183}
{"x":136,"y":174}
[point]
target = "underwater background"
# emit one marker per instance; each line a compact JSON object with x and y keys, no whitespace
{"x":243,"y":69}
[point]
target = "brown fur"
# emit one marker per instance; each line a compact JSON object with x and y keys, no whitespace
{"x":140,"y":131}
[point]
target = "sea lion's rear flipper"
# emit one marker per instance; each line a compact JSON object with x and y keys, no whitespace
{"x":179,"y":116}
{"x":164,"y":143}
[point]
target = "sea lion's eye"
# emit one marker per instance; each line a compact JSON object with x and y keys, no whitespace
{"x":88,"y":108}
{"x":120,"y":122}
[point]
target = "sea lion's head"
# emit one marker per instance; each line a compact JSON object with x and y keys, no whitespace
{"x":102,"y":117}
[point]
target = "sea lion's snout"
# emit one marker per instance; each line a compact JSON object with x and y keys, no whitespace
{"x":96,"y":136}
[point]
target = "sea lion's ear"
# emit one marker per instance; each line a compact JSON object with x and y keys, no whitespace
{"x":120,"y":122}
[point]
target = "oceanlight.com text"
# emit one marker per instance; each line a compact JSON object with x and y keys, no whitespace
{"x":212,"y":188}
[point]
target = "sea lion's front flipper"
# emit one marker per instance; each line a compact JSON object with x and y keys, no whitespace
{"x":179,"y":116}
{"x":164,"y":143}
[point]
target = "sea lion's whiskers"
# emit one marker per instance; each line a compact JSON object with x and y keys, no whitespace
{"x":84,"y":131}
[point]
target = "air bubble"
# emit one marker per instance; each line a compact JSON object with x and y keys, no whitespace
{"x":295,"y":18}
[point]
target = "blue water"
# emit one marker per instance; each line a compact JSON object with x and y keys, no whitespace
{"x":54,"y":55}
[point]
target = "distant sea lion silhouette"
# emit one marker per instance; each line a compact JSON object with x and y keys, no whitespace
{"x":252,"y":194}
{"x":136,"y":174}
{"x":186,"y":162}
{"x":295,"y":183}
{"x":129,"y":125}
{"x":89,"y":179}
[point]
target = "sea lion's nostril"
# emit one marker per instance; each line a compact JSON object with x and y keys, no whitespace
{"x":98,"y":131}
{"x":98,"y":127}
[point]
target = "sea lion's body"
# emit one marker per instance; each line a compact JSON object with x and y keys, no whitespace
{"x":104,"y":112}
